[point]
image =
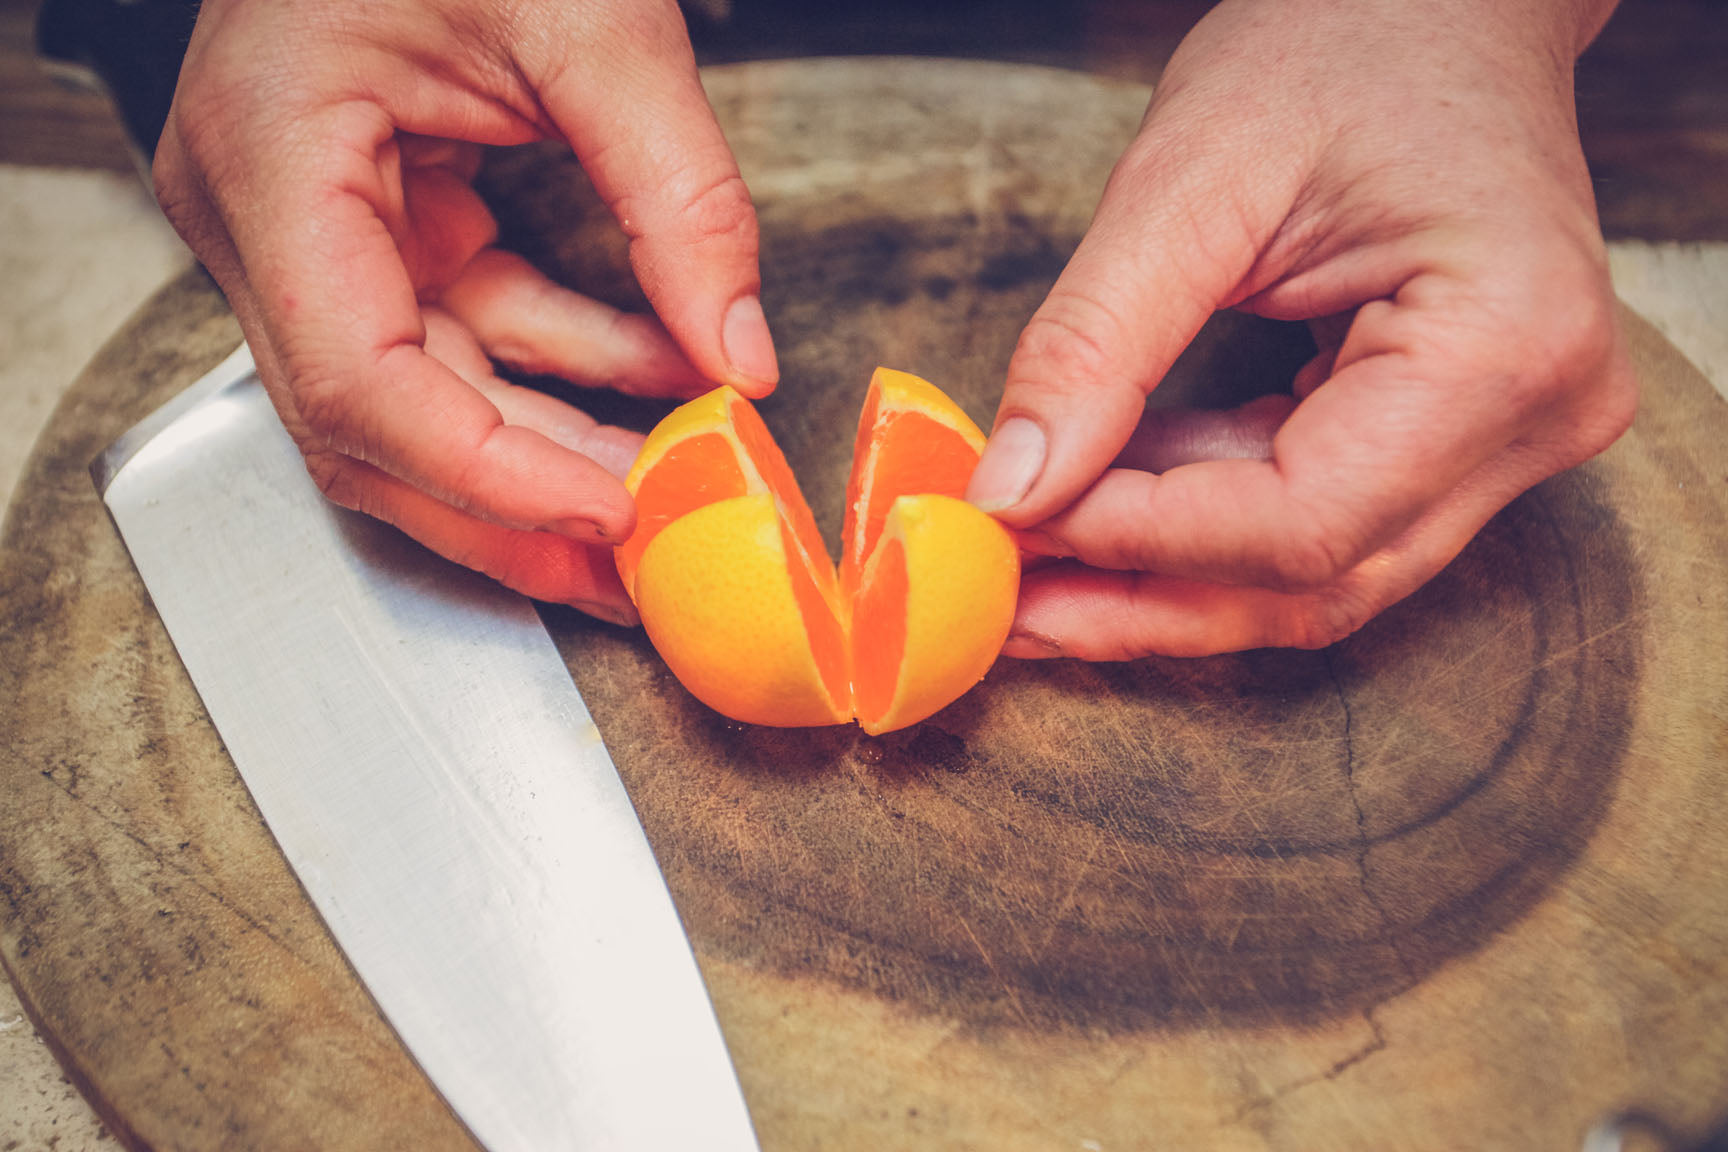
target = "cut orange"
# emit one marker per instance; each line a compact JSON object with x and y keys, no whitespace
{"x":739,"y":596}
{"x":911,"y":439}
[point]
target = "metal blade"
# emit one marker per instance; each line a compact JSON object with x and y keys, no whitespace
{"x":416,"y":745}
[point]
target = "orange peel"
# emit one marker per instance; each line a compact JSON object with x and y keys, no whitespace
{"x":738,"y":594}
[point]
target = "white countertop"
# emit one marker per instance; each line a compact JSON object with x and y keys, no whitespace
{"x":80,"y":250}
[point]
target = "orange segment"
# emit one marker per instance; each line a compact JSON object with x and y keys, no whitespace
{"x":713,"y":448}
{"x":695,"y":472}
{"x":741,"y":600}
{"x":911,"y":439}
{"x":718,"y":590}
{"x":942,"y":587}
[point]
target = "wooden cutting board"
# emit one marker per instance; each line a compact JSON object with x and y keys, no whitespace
{"x":1460,"y":881}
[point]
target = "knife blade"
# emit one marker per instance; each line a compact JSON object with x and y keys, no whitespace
{"x":416,"y":745}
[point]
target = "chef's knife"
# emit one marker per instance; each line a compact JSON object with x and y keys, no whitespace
{"x":415,"y":743}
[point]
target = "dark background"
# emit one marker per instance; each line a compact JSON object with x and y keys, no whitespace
{"x":1652,"y":91}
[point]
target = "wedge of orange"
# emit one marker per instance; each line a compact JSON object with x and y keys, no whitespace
{"x":738,"y":594}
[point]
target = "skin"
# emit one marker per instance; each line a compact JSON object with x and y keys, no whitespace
{"x":1406,"y":177}
{"x":318,"y":159}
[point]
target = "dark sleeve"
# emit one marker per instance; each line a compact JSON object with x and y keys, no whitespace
{"x":130,"y":48}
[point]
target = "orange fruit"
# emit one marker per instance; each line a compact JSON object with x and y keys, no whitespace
{"x":738,"y":594}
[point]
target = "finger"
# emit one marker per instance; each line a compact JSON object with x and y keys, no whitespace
{"x":456,"y":156}
{"x":526,"y":321}
{"x":447,"y":225}
{"x":633,"y":109}
{"x":346,"y":329}
{"x":1069,"y":609}
{"x":1170,"y":438}
{"x":1160,"y":257}
{"x":542,"y":565}
{"x":450,"y":342}
{"x":1329,"y":333}
{"x":187,"y":203}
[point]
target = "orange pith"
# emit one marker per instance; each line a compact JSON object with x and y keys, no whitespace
{"x":738,"y":594}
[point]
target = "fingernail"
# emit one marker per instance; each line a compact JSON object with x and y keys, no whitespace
{"x":611,"y":613}
{"x":584,"y":530}
{"x":749,"y":347}
{"x":1012,"y":461}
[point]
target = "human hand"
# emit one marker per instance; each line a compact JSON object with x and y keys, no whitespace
{"x":319,"y":158}
{"x":1406,"y":177}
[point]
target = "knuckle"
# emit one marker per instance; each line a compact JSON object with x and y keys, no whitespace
{"x":1068,"y":342}
{"x":1577,"y":390}
{"x":168,"y":179}
{"x":178,"y":182}
{"x":1600,"y":413}
{"x":655,"y":29}
{"x":180,"y":205}
{"x":1312,"y":554}
{"x":195,"y":131}
{"x":1545,"y":345}
{"x":333,"y":416}
{"x":479,"y":552}
{"x":719,"y":208}
{"x":207,"y":128}
{"x":334,"y":475}
{"x":1324,"y":619}
{"x":698,"y":204}
{"x":1581,"y":332}
{"x":1119,"y":628}
{"x":1571,"y":341}
{"x":326,"y":408}
{"x":1616,"y":406}
{"x":526,"y":562}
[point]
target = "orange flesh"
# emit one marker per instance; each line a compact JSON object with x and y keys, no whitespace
{"x":695,"y":473}
{"x":827,"y":641}
{"x":860,"y":453}
{"x":915,"y":455}
{"x":704,"y":470}
{"x":771,"y":462}
{"x":880,"y":610}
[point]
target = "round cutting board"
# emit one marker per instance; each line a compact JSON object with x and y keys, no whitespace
{"x":1460,"y":881}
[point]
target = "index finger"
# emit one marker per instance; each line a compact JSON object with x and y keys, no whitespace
{"x":632,"y":107}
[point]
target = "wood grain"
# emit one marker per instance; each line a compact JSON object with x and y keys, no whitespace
{"x":1456,"y":882}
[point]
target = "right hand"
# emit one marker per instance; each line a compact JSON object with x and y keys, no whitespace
{"x":318,"y":160}
{"x":1408,"y":179}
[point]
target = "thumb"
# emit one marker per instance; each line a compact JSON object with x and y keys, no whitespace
{"x":1157,"y":261}
{"x":634,"y":111}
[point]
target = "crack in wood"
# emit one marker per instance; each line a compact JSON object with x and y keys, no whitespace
{"x":174,"y":866}
{"x":1376,"y":1044}
{"x":1364,"y":842}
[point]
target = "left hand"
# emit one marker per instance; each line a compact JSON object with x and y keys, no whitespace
{"x":319,"y":158}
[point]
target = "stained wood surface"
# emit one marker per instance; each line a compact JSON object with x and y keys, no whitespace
{"x":1458,"y":882}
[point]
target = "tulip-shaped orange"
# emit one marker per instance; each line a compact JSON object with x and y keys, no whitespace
{"x":739,"y":596}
